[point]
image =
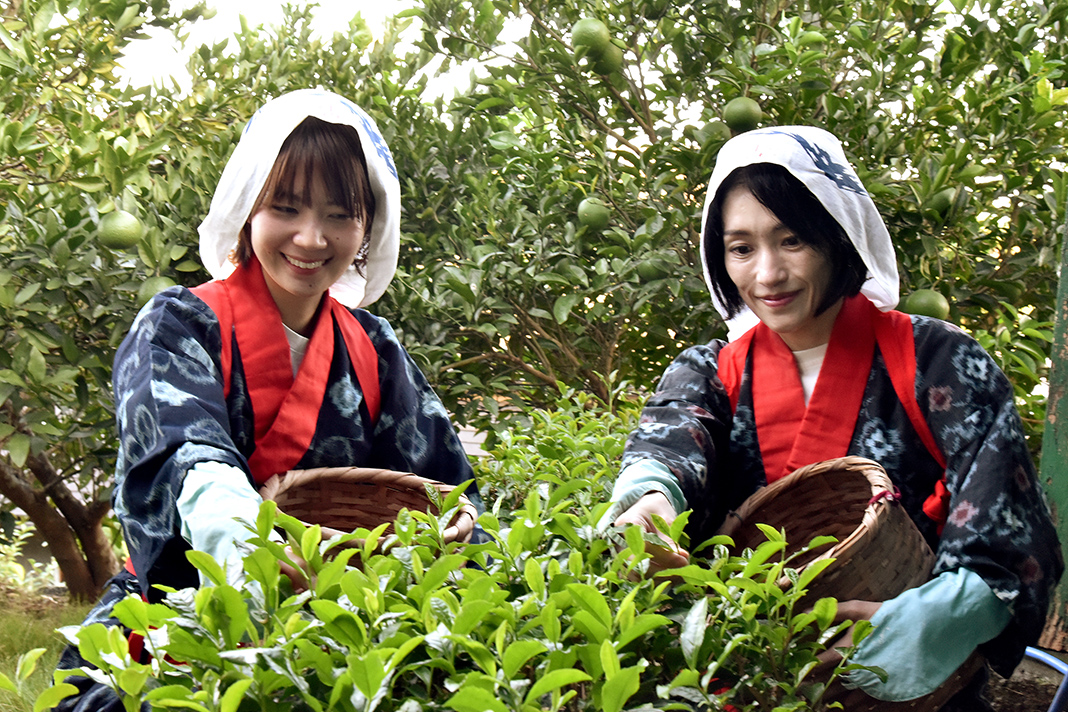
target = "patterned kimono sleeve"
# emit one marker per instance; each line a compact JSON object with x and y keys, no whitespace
{"x":999,"y":524}
{"x":685,"y":425}
{"x":413,"y":432}
{"x":171,"y":414}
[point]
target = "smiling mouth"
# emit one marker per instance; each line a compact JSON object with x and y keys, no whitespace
{"x":773,"y":300}
{"x":304,"y":265}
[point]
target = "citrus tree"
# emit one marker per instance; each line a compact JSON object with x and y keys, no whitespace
{"x":102,"y":187}
{"x":952,"y":113}
{"x":551,"y":207}
{"x":76,"y":155}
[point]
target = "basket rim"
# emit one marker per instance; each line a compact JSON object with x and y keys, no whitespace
{"x":459,"y":529}
{"x":883,"y":497}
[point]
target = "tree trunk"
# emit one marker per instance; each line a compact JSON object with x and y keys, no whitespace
{"x":71,"y":528}
{"x":83,"y":518}
{"x":1055,"y":455}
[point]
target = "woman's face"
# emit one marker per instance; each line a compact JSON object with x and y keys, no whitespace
{"x":779,"y":277}
{"x":303,"y":249}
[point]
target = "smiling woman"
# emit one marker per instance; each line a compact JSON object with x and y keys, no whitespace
{"x":311,"y":221}
{"x":272,"y":367}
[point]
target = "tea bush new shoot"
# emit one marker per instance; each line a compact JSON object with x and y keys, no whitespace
{"x":545,"y":614}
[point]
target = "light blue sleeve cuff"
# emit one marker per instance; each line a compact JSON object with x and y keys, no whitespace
{"x":923,"y":635}
{"x":639,"y":479}
{"x":214,"y":500}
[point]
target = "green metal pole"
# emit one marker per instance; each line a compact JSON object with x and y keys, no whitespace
{"x":1053,"y":470}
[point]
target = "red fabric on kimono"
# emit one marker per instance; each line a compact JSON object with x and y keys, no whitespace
{"x":286,"y":408}
{"x":792,"y":435}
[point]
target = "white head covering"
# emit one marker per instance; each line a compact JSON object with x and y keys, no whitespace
{"x":815,"y":157}
{"x":247,"y":170}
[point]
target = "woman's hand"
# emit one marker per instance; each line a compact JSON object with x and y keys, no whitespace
{"x":848,"y":611}
{"x":669,"y":556}
{"x":295,"y":573}
{"x":851,"y":699}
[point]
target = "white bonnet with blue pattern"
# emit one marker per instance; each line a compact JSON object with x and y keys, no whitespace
{"x":815,"y":157}
{"x":247,"y":170}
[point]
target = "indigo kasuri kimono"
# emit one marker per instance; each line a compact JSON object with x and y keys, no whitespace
{"x":998,"y":524}
{"x":172,"y":411}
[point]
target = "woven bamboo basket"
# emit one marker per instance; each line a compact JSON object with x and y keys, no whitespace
{"x":343,"y":499}
{"x":879,"y":551}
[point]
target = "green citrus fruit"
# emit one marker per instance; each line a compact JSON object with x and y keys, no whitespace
{"x":654,"y":269}
{"x":610,"y":61}
{"x":742,"y":114}
{"x":151,"y":287}
{"x":119,"y":230}
{"x":590,"y":35}
{"x":942,"y":201}
{"x":594,"y":214}
{"x":927,"y":302}
{"x":810,"y":38}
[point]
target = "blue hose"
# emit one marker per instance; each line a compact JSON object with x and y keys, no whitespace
{"x":1060,"y":700}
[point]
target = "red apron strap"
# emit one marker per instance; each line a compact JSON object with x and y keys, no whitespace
{"x":286,"y":408}
{"x":778,"y":401}
{"x":362,"y":354}
{"x":898,"y":346}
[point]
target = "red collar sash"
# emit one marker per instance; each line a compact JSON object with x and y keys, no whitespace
{"x":792,"y":435}
{"x":286,"y":409}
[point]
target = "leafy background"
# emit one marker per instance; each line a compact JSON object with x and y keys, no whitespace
{"x":952,"y":113}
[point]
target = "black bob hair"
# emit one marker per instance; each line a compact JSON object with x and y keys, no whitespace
{"x":799,"y":210}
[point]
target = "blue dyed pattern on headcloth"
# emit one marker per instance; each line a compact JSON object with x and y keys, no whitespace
{"x":368,"y":126}
{"x":842,"y":175}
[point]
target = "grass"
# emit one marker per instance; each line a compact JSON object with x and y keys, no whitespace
{"x":30,"y":621}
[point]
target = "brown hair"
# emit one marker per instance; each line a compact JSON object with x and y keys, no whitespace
{"x":333,"y":151}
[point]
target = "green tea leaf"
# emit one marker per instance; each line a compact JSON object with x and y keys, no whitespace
{"x":207,"y":566}
{"x":53,"y":695}
{"x":231,"y":699}
{"x":593,"y":601}
{"x":609,"y":659}
{"x":554,"y":680}
{"x":692,"y":635}
{"x":518,"y":654}
{"x":534,"y":578}
{"x":475,"y":699}
{"x":619,"y":688}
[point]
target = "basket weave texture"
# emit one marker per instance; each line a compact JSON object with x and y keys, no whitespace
{"x":342,"y":499}
{"x":879,"y":554}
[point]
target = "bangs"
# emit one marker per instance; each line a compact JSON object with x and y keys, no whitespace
{"x":332,"y":151}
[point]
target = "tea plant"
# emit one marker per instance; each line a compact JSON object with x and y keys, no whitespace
{"x":574,"y":446}
{"x":550,"y":614}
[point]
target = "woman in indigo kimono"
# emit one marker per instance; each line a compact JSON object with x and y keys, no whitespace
{"x":271,"y":367}
{"x":820,"y":366}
